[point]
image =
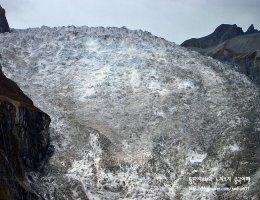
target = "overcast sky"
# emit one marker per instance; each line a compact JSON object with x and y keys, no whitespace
{"x":174,"y":20}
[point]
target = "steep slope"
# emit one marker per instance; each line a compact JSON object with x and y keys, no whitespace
{"x":239,"y":45}
{"x":135,"y":116}
{"x":23,"y":141}
{"x":10,"y":90}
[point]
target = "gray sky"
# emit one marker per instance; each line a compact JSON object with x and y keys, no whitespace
{"x":174,"y":20}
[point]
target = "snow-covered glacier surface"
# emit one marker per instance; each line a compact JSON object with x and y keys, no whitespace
{"x":135,"y":116}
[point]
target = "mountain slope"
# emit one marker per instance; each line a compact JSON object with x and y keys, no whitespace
{"x":10,"y":90}
{"x":220,"y":34}
{"x":24,"y":139}
{"x":239,"y":45}
{"x":243,"y":52}
{"x":135,"y":116}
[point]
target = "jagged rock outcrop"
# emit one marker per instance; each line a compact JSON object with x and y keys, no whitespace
{"x":24,"y":141}
{"x":251,"y":29}
{"x":221,"y":34}
{"x":4,"y":27}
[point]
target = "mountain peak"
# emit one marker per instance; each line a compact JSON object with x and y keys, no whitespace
{"x":251,"y":29}
{"x":222,"y":32}
{"x":4,"y":27}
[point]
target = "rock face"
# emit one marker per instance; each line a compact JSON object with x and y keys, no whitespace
{"x":221,"y":34}
{"x":241,"y":51}
{"x":4,"y":27}
{"x":24,"y":141}
{"x":248,"y":64}
{"x":135,"y":116}
{"x":251,"y":29}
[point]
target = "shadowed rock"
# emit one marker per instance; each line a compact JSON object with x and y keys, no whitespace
{"x":139,"y":117}
{"x":24,"y":140}
{"x":221,"y":34}
{"x":251,"y":29}
{"x":4,"y":27}
{"x":241,"y":50}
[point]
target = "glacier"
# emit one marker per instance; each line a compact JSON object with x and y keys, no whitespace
{"x":134,"y":116}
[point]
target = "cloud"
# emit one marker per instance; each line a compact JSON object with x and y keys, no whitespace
{"x":15,"y":5}
{"x":175,"y":20}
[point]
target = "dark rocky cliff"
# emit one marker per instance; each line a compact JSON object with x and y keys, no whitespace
{"x":251,"y":29}
{"x":221,"y":34}
{"x":4,"y":27}
{"x":24,"y":140}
